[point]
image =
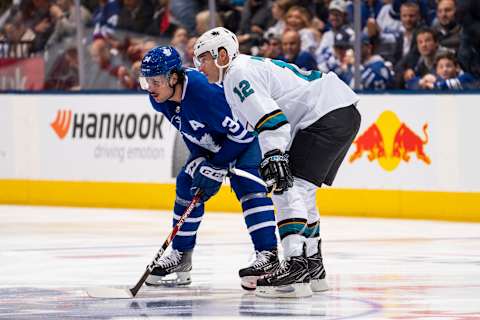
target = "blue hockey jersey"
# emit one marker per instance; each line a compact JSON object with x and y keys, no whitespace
{"x":205,"y":121}
{"x":375,"y":75}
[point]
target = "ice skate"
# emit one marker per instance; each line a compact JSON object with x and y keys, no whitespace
{"x":172,"y":270}
{"x":290,"y":280}
{"x":318,"y":283}
{"x":266,"y":262}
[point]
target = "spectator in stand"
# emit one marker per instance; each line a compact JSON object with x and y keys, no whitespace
{"x":299,"y":19}
{"x":427,"y":44}
{"x":231,"y":13}
{"x":40,"y":16}
{"x":320,"y":10}
{"x":4,"y":6}
{"x":105,"y":20}
{"x":202,"y":22}
{"x":19,"y":38}
{"x":292,"y":53}
{"x":446,"y":26}
{"x":448,"y":76}
{"x":369,"y":8}
{"x":135,"y":15}
{"x":162,"y":24}
{"x":338,"y":21}
{"x":271,"y":48}
{"x":188,"y":59}
{"x":394,"y":45}
{"x":426,"y":7}
{"x":387,"y":21}
{"x":180,"y":40}
{"x":105,"y":45}
{"x":279,"y":11}
{"x":91,"y":5}
{"x":255,"y":19}
{"x":342,"y":56}
{"x":66,"y":24}
{"x":376,"y":74}
{"x":64,"y":73}
{"x":468,"y":13}
{"x":185,"y":11}
{"x":129,"y":79}
{"x":6,"y":9}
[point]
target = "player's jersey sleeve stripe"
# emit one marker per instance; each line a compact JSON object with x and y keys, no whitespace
{"x":271,"y":121}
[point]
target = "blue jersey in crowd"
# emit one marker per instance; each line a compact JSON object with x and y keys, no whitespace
{"x":462,"y":81}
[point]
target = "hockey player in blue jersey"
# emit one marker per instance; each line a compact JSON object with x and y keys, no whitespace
{"x":216,"y":141}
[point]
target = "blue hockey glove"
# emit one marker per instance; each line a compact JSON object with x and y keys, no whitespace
{"x":208,"y":179}
{"x":275,"y":171}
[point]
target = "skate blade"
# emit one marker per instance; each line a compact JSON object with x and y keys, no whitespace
{"x":171,"y":280}
{"x":110,"y":293}
{"x":249,"y":283}
{"x":319,"y":285}
{"x":296,"y":290}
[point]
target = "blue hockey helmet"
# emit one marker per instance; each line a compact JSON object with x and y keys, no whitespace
{"x":159,"y":61}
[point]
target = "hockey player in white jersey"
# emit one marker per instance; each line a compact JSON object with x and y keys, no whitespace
{"x":306,"y":122}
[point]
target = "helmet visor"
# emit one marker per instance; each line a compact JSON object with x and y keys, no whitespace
{"x":150,"y":83}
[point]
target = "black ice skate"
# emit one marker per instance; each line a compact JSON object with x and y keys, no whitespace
{"x":172,"y":270}
{"x":290,"y":280}
{"x":266,"y":261}
{"x":318,"y":282}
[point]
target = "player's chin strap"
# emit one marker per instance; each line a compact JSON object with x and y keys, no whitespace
{"x":223,"y":69}
{"x":172,"y":87}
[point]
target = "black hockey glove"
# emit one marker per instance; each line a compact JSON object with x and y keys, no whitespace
{"x":275,"y":171}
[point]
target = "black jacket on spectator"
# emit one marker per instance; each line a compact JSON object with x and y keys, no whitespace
{"x":407,"y":62}
{"x":255,"y":16}
{"x":468,"y":15}
{"x":136,"y":20}
{"x":449,"y":36}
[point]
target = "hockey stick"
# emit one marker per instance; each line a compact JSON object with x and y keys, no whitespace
{"x":126,"y":292}
{"x":248,"y":175}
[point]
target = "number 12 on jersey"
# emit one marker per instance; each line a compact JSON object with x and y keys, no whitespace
{"x":243,"y":90}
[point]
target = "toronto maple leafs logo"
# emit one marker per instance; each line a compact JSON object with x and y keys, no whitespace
{"x":147,"y":59}
{"x":167,"y":52}
{"x":206,"y":141}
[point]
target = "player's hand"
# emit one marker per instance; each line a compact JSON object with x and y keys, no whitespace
{"x":208,"y":179}
{"x":275,"y":171}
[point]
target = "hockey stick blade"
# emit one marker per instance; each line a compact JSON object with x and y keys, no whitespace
{"x":129,"y":293}
{"x":110,"y":293}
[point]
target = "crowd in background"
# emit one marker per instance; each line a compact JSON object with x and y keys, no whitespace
{"x":406,"y":44}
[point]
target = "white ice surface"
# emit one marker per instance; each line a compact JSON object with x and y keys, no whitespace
{"x":376,"y":268}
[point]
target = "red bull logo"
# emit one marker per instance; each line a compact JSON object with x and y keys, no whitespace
{"x":390,"y":141}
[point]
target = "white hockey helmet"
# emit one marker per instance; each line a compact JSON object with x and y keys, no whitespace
{"x":214,"y":39}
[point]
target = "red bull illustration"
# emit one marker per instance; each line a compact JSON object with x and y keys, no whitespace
{"x":390,"y":141}
{"x":407,"y":141}
{"x":370,"y":141}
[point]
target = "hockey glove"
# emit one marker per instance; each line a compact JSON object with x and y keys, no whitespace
{"x":208,"y":179}
{"x":275,"y":171}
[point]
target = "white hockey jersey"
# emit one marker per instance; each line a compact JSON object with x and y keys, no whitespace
{"x":277,"y":99}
